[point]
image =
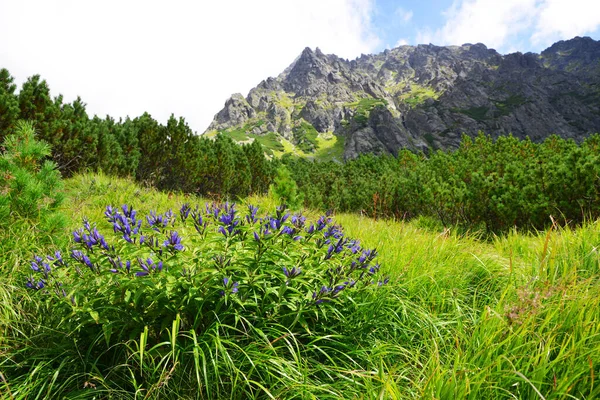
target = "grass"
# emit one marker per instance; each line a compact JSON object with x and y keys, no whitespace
{"x":330,"y":147}
{"x":510,"y":104}
{"x":418,"y":94}
{"x":476,"y":113}
{"x":363,"y":108}
{"x":517,"y":316}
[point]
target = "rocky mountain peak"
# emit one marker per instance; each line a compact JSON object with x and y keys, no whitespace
{"x":424,"y":97}
{"x":577,"y":55}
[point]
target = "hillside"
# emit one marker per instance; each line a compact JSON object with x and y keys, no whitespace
{"x":514,"y":317}
{"x":419,"y":98}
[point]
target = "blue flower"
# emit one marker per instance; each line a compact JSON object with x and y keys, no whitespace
{"x":35,"y":264}
{"x":251,"y":217}
{"x":160,"y":221}
{"x":174,"y":241}
{"x":384,"y":282}
{"x":129,"y":212}
{"x":82,"y":258}
{"x":78,"y":235}
{"x":230,"y":286}
{"x":32,"y":284}
{"x":298,"y":220}
{"x":199,"y":222}
{"x":184,"y":211}
{"x":110,"y":213}
{"x":148,"y":267}
{"x":338,"y":289}
{"x":58,"y":260}
{"x":118,"y":265}
{"x":291,"y":273}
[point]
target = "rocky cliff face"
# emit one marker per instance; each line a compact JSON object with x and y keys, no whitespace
{"x":424,"y":97}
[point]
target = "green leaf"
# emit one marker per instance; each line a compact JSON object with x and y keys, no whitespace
{"x":95,"y":315}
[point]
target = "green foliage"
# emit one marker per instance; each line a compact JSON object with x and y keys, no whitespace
{"x":512,"y":316}
{"x":510,"y":104}
{"x":30,"y":185}
{"x":330,"y":148}
{"x":270,"y":141}
{"x":364,"y":107}
{"x":9,"y":104}
{"x":484,"y":185}
{"x":206,"y":279}
{"x":418,"y":94}
{"x":305,"y":137}
{"x":476,"y":113}
{"x":284,"y":189}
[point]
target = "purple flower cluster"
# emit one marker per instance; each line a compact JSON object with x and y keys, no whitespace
{"x":291,"y":273}
{"x":149,"y":266}
{"x":42,"y":267}
{"x":39,"y":265}
{"x":228,"y":220}
{"x":274,"y":224}
{"x":124,"y":222}
{"x":230,"y":287}
{"x":321,"y":224}
{"x":89,"y":236}
{"x":84,"y":259}
{"x":159,"y":222}
{"x":199,"y":222}
{"x":117,"y":265}
{"x":173,"y":242}
{"x":184,"y":211}
{"x":251,"y":216}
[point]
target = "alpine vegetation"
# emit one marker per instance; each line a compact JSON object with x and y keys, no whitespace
{"x":193,"y":293}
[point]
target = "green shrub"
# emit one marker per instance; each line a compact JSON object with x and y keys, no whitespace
{"x":30,"y":185}
{"x":284,"y":188}
{"x":205,"y":286}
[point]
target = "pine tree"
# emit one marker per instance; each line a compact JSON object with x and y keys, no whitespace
{"x":152,"y":147}
{"x":30,"y":184}
{"x":126,"y":135}
{"x":261,"y":169}
{"x":285,"y":190}
{"x":9,"y":104}
{"x":74,"y":143}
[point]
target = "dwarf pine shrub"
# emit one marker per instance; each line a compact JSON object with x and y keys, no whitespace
{"x":201,"y":277}
{"x":30,"y":185}
{"x":284,"y":189}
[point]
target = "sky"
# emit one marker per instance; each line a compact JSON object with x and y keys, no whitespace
{"x":186,"y":57}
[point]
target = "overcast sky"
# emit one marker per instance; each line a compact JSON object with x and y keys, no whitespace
{"x":187,"y":57}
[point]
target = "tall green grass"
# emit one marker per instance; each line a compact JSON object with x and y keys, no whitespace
{"x":513,"y":317}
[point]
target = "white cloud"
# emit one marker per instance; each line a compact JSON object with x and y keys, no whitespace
{"x":404,"y":15}
{"x":488,"y":21}
{"x":184,"y":57}
{"x":504,"y":24}
{"x":401,"y":42}
{"x":560,"y":19}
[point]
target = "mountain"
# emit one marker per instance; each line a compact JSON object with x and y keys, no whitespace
{"x":420,"y":98}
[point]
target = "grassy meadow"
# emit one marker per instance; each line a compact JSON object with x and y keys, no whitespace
{"x":509,"y":317}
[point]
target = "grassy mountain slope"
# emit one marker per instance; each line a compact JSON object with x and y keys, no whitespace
{"x":515,"y":317}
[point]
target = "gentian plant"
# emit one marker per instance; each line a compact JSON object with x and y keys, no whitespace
{"x":203,"y":266}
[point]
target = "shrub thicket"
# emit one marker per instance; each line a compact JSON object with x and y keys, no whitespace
{"x":486,"y":184}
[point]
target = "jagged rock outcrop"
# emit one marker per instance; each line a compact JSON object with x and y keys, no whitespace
{"x":425,"y":97}
{"x":236,"y":112}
